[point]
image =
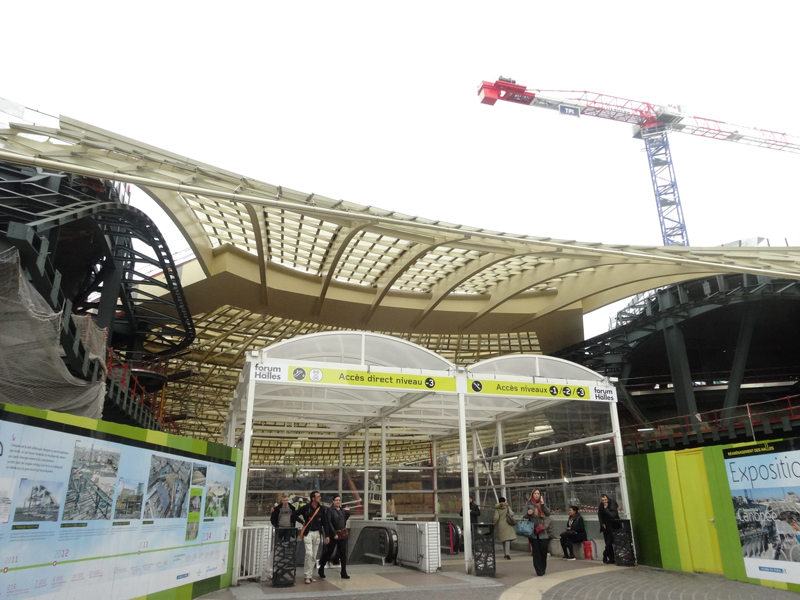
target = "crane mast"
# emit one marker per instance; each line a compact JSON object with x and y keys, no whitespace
{"x":651,"y":123}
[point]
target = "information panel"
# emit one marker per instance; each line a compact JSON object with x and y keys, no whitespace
{"x":91,"y":516}
{"x":765,"y":488}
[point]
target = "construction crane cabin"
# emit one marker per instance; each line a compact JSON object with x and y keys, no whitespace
{"x":651,"y":123}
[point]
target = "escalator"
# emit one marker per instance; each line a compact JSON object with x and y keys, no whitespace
{"x":375,"y":545}
{"x":451,"y":536}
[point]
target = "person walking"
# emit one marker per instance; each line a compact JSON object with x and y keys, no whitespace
{"x":539,"y":515}
{"x":575,"y":533}
{"x":336,"y":535}
{"x":607,"y":514}
{"x":503,"y":525}
{"x":311,"y":515}
{"x":283,"y":519}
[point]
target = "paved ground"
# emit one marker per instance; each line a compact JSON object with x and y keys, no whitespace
{"x":515,"y":580}
{"x":644,"y":583}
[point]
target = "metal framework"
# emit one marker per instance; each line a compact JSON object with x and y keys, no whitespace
{"x":41,"y":214}
{"x":272,"y":263}
{"x":665,"y":187}
{"x":336,"y":386}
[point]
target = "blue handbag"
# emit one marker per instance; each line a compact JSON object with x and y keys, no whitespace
{"x":524,"y":528}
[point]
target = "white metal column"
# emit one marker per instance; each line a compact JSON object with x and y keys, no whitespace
{"x":500,"y":450}
{"x":366,"y":474}
{"x":434,"y":463}
{"x":231,"y":441}
{"x":383,"y":468}
{"x":462,"y":445}
{"x":245,"y":465}
{"x":623,"y":482}
{"x":475,"y":477}
{"x":247,"y":438}
{"x":341,"y":462}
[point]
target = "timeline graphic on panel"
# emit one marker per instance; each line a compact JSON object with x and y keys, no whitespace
{"x":89,"y":517}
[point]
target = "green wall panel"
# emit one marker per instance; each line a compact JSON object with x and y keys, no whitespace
{"x":663,"y":507}
{"x":724,"y":515}
{"x":637,"y":471}
{"x":206,"y":586}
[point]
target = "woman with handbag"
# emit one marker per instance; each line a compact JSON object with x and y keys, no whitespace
{"x":504,"y":525}
{"x":336,"y":534}
{"x":539,"y":515}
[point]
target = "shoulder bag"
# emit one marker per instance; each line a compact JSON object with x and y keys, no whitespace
{"x":510,"y":518}
{"x":524,"y":528}
{"x":342,"y":534}
{"x":303,"y":531}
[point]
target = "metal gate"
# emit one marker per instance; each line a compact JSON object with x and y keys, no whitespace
{"x":252,"y":545}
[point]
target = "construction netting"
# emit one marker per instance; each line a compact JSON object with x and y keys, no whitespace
{"x":32,"y":371}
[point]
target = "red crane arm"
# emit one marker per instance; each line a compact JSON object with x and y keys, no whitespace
{"x":640,"y":114}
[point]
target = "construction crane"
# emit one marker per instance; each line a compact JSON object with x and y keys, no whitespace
{"x":651,"y":123}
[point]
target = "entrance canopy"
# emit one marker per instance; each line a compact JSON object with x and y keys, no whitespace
{"x":334,"y":385}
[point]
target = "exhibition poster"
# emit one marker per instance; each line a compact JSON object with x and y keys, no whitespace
{"x":765,"y":486}
{"x":103,"y":516}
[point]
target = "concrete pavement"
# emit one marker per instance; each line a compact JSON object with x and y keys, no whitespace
{"x":515,"y":580}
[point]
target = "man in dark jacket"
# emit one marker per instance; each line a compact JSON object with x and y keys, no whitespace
{"x":283,"y":519}
{"x":575,"y":533}
{"x":474,"y":511}
{"x":607,"y":514}
{"x":335,"y":520}
{"x":311,"y":515}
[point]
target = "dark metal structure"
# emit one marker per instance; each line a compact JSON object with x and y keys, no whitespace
{"x":701,"y":345}
{"x":87,"y":251}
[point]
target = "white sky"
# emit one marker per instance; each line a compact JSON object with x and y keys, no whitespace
{"x":376,"y":103}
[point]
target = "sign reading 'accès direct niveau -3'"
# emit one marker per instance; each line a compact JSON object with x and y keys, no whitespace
{"x":350,"y":377}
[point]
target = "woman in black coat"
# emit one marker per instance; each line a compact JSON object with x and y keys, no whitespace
{"x":575,"y":533}
{"x":538,"y":514}
{"x":334,"y":520}
{"x":607,"y":514}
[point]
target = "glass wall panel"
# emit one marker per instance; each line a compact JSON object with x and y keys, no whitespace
{"x":356,"y":503}
{"x":353,"y":479}
{"x":559,"y":423}
{"x":578,"y":460}
{"x":449,"y":504}
{"x":404,"y":478}
{"x":409,"y":503}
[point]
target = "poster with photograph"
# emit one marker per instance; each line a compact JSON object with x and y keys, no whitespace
{"x":167,"y":488}
{"x":218,"y":492}
{"x":92,"y":480}
{"x":94,"y":517}
{"x":765,"y":487}
{"x":129,"y":500}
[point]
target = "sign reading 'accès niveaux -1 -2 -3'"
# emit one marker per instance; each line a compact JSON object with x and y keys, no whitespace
{"x":495,"y":387}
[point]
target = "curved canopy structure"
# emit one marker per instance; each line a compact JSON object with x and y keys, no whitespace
{"x":334,"y":388}
{"x":327,"y":387}
{"x":272,"y":263}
